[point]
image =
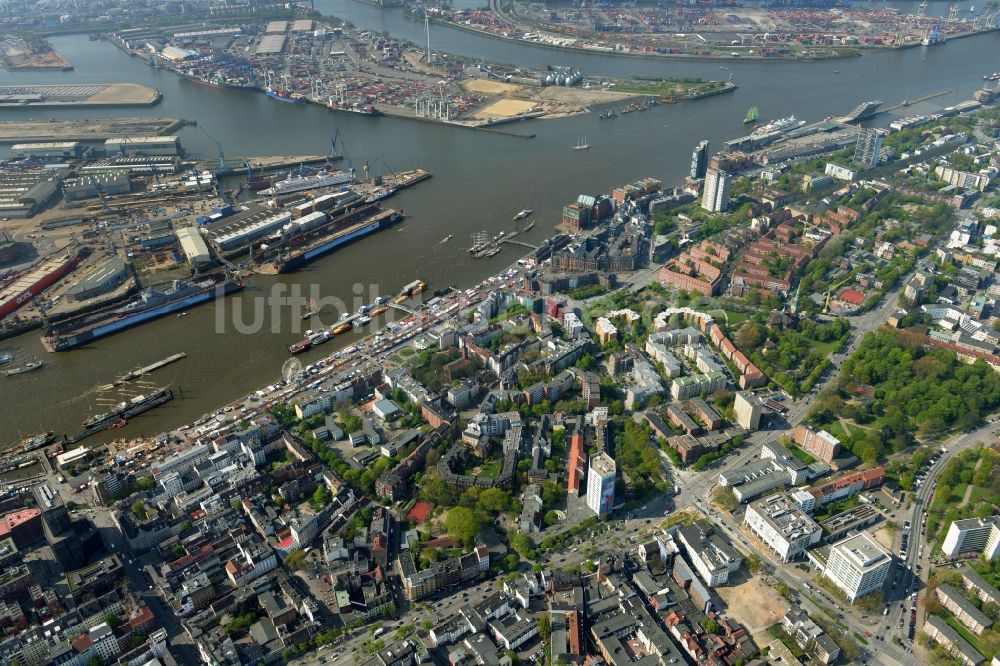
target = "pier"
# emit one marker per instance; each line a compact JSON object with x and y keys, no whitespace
{"x":521,"y":243}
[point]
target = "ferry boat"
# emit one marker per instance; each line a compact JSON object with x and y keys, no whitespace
{"x":523,"y":214}
{"x":21,"y":369}
{"x":363,"y":320}
{"x":299,"y":347}
{"x":319,"y":337}
{"x":995,"y":76}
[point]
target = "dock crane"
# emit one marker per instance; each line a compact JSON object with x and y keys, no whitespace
{"x":223,"y":167}
{"x":343,"y":150}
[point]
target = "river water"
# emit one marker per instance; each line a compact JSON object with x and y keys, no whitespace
{"x":480,"y":181}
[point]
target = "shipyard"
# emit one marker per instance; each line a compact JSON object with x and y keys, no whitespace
{"x":111,"y":234}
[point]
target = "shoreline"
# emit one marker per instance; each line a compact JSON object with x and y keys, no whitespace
{"x":857,"y":50}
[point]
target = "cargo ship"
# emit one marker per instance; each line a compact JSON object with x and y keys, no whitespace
{"x":37,"y":280}
{"x":305,"y":252}
{"x":285,"y":96}
{"x":299,"y":183}
{"x":123,"y":411}
{"x":358,"y":107}
{"x":150,"y":304}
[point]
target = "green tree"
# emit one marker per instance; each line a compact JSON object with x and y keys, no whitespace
{"x":544,"y":626}
{"x":139,"y":509}
{"x":522,"y":546}
{"x":296,"y":559}
{"x":551,"y":518}
{"x":463,"y":524}
{"x":494,"y":500}
{"x":112,"y":620}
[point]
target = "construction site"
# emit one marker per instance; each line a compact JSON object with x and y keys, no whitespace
{"x":17,"y":53}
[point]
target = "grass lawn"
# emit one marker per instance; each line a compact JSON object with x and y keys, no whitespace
{"x":965,"y":633}
{"x":801,"y":455}
{"x":827,"y":348}
{"x":836,"y":430}
{"x":958,"y":493}
{"x":660,"y":86}
{"x":490,"y":469}
{"x":978,"y":494}
{"x":733,"y":318}
{"x":856,"y":431}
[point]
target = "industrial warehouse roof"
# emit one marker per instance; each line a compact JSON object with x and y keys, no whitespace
{"x":100,"y":276}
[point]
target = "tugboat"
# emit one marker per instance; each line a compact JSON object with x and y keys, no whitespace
{"x":312,"y":311}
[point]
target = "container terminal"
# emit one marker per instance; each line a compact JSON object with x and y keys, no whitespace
{"x":370,"y":74}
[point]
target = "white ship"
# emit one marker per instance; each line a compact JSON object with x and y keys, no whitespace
{"x":779,"y":125}
{"x":300,"y":183}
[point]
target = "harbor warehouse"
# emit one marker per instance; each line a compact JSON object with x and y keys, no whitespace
{"x":194,"y":247}
{"x":147,"y":145}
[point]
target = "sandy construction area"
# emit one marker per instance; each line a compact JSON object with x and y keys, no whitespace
{"x":754,"y":605}
{"x":124,"y":93}
{"x":488,"y":87}
{"x":506,"y":108}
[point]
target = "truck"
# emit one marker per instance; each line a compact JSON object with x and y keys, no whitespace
{"x":378,"y":632}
